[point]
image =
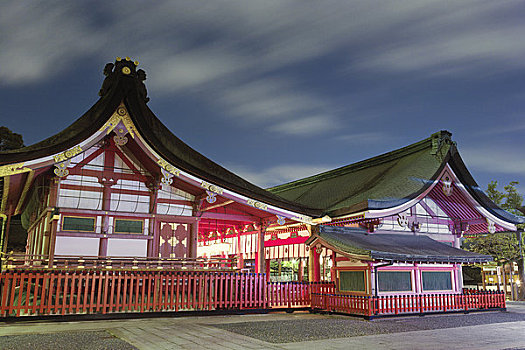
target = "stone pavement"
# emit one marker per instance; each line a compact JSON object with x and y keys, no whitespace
{"x":199,"y":333}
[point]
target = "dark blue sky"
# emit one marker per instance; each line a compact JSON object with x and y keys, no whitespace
{"x":280,"y":90}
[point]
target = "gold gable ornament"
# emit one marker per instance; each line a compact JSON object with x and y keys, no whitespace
{"x":120,"y":115}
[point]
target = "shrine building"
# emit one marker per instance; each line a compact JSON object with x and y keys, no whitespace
{"x":117,"y":189}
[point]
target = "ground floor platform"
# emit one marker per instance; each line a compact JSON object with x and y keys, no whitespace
{"x":300,"y":330}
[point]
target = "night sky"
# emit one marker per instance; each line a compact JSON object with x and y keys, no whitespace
{"x":279,"y":90}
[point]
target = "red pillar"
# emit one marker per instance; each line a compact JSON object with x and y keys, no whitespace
{"x":240,"y":259}
{"x":154,"y":190}
{"x":106,"y":181}
{"x":259,"y":256}
{"x":314,"y":270}
{"x":300,"y":270}
{"x":267,"y":270}
{"x":194,"y":235}
{"x":317,"y":267}
{"x":53,"y":201}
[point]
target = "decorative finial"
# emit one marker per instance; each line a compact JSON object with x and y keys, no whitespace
{"x":124,"y":68}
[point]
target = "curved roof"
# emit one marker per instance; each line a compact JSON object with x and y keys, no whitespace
{"x":387,"y":180}
{"x":129,"y":88}
{"x":393,"y":247}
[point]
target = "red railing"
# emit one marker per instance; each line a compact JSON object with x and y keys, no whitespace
{"x":407,"y":304}
{"x":61,"y":292}
{"x":85,"y":292}
{"x":294,"y":294}
{"x":38,"y":262}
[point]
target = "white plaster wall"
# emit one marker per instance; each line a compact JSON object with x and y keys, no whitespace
{"x":127,"y":247}
{"x":77,"y":246}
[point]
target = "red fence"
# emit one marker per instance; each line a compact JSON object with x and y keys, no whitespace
{"x":86,"y":292}
{"x":55,"y":292}
{"x":294,"y":294}
{"x":407,"y":304}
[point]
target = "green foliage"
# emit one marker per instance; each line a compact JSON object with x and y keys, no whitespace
{"x":503,"y":246}
{"x":510,"y":200}
{"x":10,"y":140}
{"x":493,"y":193}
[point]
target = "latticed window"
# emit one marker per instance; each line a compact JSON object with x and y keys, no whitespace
{"x":395,"y":281}
{"x":437,"y":280}
{"x":352,"y":281}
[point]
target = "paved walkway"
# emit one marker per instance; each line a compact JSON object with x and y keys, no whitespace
{"x":199,"y":333}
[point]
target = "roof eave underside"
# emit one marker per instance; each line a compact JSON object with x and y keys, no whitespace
{"x":466,"y":178}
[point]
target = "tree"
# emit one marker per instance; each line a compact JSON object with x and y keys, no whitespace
{"x":510,"y":200}
{"x":503,"y":246}
{"x":10,"y":140}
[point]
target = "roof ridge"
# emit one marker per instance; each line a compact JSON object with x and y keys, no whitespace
{"x":435,"y":141}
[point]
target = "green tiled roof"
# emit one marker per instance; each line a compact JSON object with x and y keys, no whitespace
{"x":382,"y":181}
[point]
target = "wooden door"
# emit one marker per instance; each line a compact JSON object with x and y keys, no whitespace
{"x":174,"y":238}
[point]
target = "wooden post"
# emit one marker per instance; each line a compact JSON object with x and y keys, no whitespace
{"x":259,"y":266}
{"x":300,"y":270}
{"x":7,"y":223}
{"x":194,"y":235}
{"x":194,"y":230}
{"x":313,"y":265}
{"x":106,"y":206}
{"x":53,"y":200}
{"x":52,"y":242}
{"x":154,"y":191}
{"x":504,"y":280}
{"x":240,"y":260}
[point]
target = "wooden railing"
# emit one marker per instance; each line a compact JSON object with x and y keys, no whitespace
{"x":54,"y":292}
{"x":38,"y":262}
{"x":65,"y":292}
{"x":294,"y":294}
{"x":407,"y":304}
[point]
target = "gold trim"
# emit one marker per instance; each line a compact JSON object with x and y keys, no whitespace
{"x":24,"y":192}
{"x":211,"y":187}
{"x":70,"y":153}
{"x":120,"y":115}
{"x":257,"y":204}
{"x":303,"y":218}
{"x":168,"y":167}
{"x":5,"y":194}
{"x":82,"y":217}
{"x":13,"y":169}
